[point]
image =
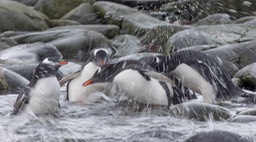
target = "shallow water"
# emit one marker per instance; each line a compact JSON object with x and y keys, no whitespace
{"x":106,"y":122}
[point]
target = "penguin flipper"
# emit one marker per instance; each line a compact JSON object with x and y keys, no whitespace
{"x":144,"y":75}
{"x":22,"y":99}
{"x":69,"y":77}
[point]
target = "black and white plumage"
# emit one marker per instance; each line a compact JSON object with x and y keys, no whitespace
{"x":41,"y":96}
{"x":139,"y":81}
{"x":199,"y":72}
{"x":75,"y":92}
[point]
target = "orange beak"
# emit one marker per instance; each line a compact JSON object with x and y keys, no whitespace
{"x":63,"y":62}
{"x":88,"y":82}
{"x":101,"y":62}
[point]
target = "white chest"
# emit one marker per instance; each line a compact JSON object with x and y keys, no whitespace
{"x":140,"y":89}
{"x":44,"y":96}
{"x":76,"y":92}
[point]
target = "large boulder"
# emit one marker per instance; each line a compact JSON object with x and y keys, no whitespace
{"x":126,"y":45}
{"x":215,"y":19}
{"x":83,"y":14}
{"x":27,"y":2}
{"x":247,"y":77}
{"x":130,"y":20}
{"x":18,"y":17}
{"x":218,"y":136}
{"x":109,"y":31}
{"x":190,"y":37}
{"x":29,"y":53}
{"x":57,"y":8}
{"x":68,"y":41}
{"x":160,"y":34}
{"x":240,"y":54}
{"x":200,"y":111}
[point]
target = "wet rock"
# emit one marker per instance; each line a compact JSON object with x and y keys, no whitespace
{"x":218,"y":135}
{"x":251,"y":111}
{"x":200,"y":111}
{"x":6,"y":43}
{"x":109,"y":31}
{"x":198,"y":9}
{"x":112,"y":12}
{"x":250,"y":23}
{"x":126,"y":45}
{"x":11,"y":82}
{"x":67,"y":41}
{"x":142,"y":4}
{"x":61,"y":22}
{"x":83,"y":14}
{"x":215,"y":19}
{"x":189,"y":38}
{"x":247,"y":77}
{"x":57,"y":8}
{"x":243,"y":118}
{"x":244,"y":19}
{"x":139,"y":23}
{"x":160,"y":34}
{"x":29,"y":53}
{"x":230,"y":33}
{"x":137,"y":56}
{"x":153,"y":136}
{"x":27,"y":2}
{"x":241,"y":54}
{"x":14,"y":13}
{"x":130,"y":20}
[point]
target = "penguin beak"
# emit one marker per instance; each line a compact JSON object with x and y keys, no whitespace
{"x":88,"y":83}
{"x":101,"y":62}
{"x":61,"y":63}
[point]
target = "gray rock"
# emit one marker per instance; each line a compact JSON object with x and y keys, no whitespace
{"x":251,"y":111}
{"x":243,"y":118}
{"x":229,"y":33}
{"x":61,"y":22}
{"x":29,"y":53}
{"x":112,"y":12}
{"x":57,"y":8}
{"x":14,"y":13}
{"x":247,"y":77}
{"x":131,"y":20}
{"x":160,"y":34}
{"x":218,"y":136}
{"x":139,"y":23}
{"x":83,"y":14}
{"x":11,"y":82}
{"x":190,"y":37}
{"x":109,"y":31}
{"x":27,"y":2}
{"x":200,"y":111}
{"x":126,"y":45}
{"x":67,"y":41}
{"x":250,"y":23}
{"x":215,"y":19}
{"x":244,"y":19}
{"x":241,"y":54}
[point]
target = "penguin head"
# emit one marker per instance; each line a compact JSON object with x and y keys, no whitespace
{"x":100,"y":56}
{"x":49,"y":66}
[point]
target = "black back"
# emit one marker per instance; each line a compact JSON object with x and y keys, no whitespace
{"x":43,"y":71}
{"x":108,"y":72}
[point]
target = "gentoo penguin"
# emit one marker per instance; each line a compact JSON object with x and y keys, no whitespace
{"x":41,"y":95}
{"x":199,"y":72}
{"x":75,"y":92}
{"x":139,"y":81}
